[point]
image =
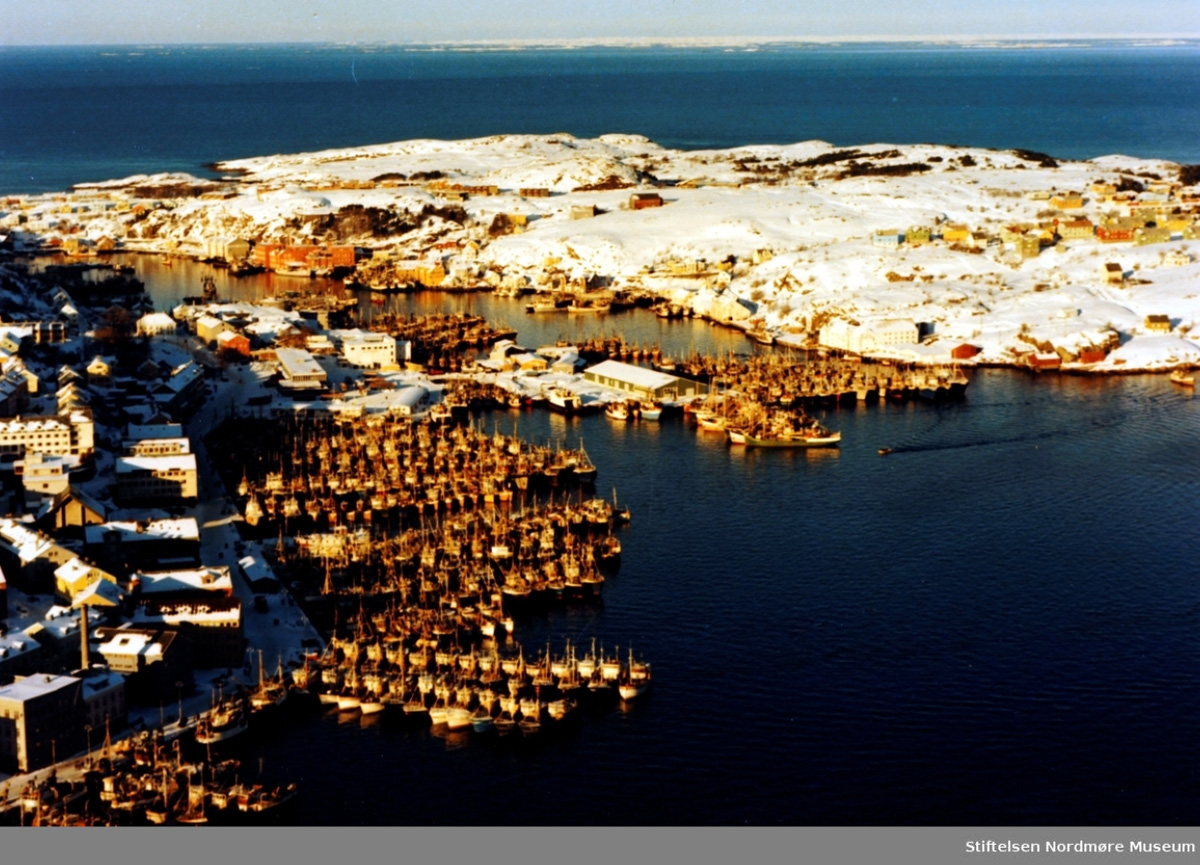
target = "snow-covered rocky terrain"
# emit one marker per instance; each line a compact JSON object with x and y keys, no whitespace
{"x":785,"y":238}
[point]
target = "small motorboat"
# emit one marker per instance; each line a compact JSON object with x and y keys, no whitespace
{"x":1183,"y":377}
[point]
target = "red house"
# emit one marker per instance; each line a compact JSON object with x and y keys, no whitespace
{"x":964,"y":351}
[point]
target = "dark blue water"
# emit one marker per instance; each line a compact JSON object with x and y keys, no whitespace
{"x":998,"y":623}
{"x":70,"y":115}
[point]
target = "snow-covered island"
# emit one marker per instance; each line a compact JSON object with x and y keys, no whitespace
{"x":1012,"y":253}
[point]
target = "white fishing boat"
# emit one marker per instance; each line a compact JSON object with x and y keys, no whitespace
{"x":617,"y":410}
{"x":458,"y":718}
{"x":564,"y":400}
{"x":650,"y":410}
{"x":635,"y":679}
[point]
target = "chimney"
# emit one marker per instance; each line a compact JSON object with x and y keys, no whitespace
{"x":85,"y":661}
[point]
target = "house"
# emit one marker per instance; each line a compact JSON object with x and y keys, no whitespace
{"x":156,"y":661}
{"x":155,"y":323}
{"x":209,"y":327}
{"x":43,"y":475}
{"x":1066,"y":201}
{"x":863,"y":339}
{"x":583,"y":211}
{"x":187,"y":584}
{"x":122,"y":547}
{"x":232,"y":342}
{"x":956,"y":232}
{"x":887,"y":238}
{"x":170,"y":478}
{"x":642,"y":200}
{"x":1114,"y":274}
{"x":964,"y":351}
{"x":1158,"y":324}
{"x":99,"y":371}
{"x":1044,"y":360}
{"x":1029,"y":246}
{"x":41,"y":717}
{"x":29,"y":558}
{"x":918,"y":235}
{"x":213,"y":626}
{"x":1117,"y":230}
{"x":1077,"y":229}
{"x":71,"y":509}
{"x":1147,"y":235}
{"x":74,"y":577}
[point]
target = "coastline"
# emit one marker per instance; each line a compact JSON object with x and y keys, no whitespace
{"x":1004,"y":252}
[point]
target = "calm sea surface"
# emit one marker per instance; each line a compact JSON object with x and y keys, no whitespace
{"x":998,"y":623}
{"x":70,"y":115}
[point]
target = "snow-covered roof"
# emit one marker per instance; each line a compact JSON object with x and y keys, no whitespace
{"x":165,"y":463}
{"x":27,"y":688}
{"x":630,"y":374}
{"x":209,"y":579}
{"x":136,"y":432}
{"x":184,"y":528}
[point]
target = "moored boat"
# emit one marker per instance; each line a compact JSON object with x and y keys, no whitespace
{"x":1183,"y":377}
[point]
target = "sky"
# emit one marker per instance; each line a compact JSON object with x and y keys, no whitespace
{"x":89,"y":22}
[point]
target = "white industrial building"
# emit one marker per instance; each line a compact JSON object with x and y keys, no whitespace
{"x":368,"y":349}
{"x":300,"y":370}
{"x":865,"y":338}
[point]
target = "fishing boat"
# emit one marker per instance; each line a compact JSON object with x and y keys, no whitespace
{"x":371,"y":705}
{"x":458,"y":718}
{"x":544,"y":306}
{"x":226,"y":720}
{"x":259,"y":799}
{"x":809,"y":439}
{"x":618,"y":410}
{"x":564,"y":400}
{"x":649,"y":410}
{"x":482,"y":721}
{"x":634,"y":679}
{"x":1183,"y":377}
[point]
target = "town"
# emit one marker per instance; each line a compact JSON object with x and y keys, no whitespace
{"x":209,"y":509}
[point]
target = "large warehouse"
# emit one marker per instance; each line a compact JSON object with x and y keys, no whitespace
{"x":641,"y":382}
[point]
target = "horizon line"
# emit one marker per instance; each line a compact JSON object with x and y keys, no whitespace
{"x":652,"y":41}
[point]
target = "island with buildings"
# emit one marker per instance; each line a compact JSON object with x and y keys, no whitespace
{"x":205,"y":508}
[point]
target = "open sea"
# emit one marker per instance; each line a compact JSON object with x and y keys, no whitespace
{"x":71,"y":115}
{"x":998,"y":623}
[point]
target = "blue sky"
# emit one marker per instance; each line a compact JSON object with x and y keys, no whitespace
{"x":76,"y":22}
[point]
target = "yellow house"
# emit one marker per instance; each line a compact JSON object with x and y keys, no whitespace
{"x":73,"y":578}
{"x":1067,"y":201}
{"x":956,"y":232}
{"x":1158,"y":324}
{"x":99,"y":371}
